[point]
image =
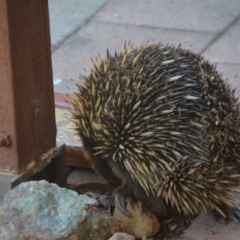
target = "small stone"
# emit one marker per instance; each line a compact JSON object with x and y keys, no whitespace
{"x":122,"y":236}
{"x":73,"y":237}
{"x":172,"y":226}
{"x":139,"y":222}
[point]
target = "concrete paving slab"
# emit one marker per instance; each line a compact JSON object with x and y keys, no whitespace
{"x":95,"y":37}
{"x":68,"y":16}
{"x":226,"y":48}
{"x":63,"y":86}
{"x":65,"y":128}
{"x":229,"y":71}
{"x":205,"y":228}
{"x":196,"y":15}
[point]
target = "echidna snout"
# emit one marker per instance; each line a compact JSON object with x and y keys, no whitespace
{"x":160,"y":120}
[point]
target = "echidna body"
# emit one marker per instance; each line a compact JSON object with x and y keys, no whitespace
{"x":160,"y":120}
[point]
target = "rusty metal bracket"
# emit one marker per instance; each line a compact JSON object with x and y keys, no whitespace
{"x":51,"y":167}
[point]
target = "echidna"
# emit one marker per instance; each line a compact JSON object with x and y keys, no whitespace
{"x":160,"y":120}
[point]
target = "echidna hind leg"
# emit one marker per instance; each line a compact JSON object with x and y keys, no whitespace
{"x":126,"y":194}
{"x":120,"y":204}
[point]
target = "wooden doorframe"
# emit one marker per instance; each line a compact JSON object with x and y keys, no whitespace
{"x":27,"y":112}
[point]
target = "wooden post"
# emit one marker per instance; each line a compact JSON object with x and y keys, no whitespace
{"x":27,"y":118}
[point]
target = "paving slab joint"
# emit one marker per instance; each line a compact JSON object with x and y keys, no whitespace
{"x":79,"y":27}
{"x":220,"y":34}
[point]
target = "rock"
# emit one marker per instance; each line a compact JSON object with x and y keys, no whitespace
{"x":139,"y":222}
{"x":44,"y":211}
{"x":122,"y":236}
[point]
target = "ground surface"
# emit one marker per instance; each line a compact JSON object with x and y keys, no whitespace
{"x":81,"y":29}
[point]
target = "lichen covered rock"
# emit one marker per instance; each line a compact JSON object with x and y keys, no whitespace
{"x":40,"y":210}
